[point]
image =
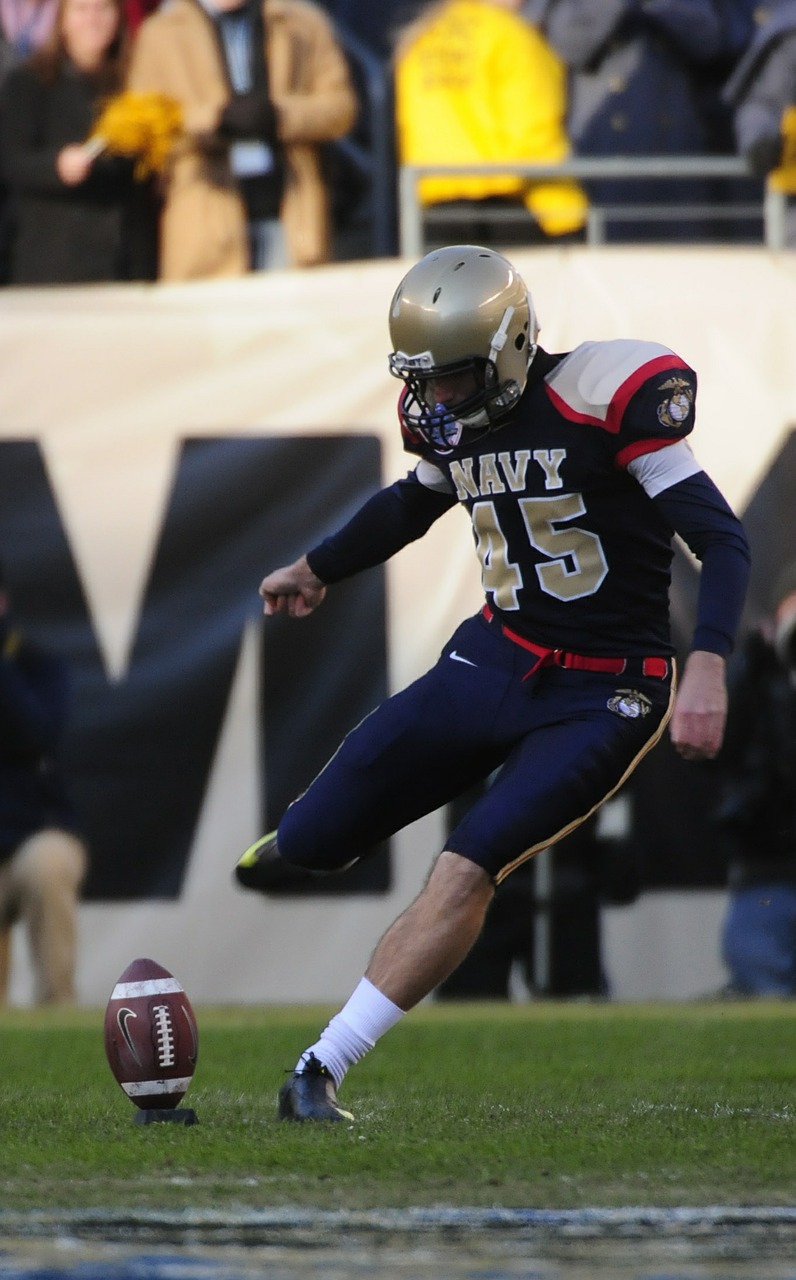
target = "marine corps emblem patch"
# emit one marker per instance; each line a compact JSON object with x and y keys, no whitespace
{"x":629,"y":703}
{"x":673,"y":411}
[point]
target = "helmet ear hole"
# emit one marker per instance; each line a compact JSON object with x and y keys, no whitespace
{"x":519,"y":341}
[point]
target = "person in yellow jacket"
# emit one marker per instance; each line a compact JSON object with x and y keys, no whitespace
{"x":476,"y":83}
{"x":261,"y":83}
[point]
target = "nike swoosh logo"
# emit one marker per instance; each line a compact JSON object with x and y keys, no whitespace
{"x":457,"y":657}
{"x":121,"y":1021}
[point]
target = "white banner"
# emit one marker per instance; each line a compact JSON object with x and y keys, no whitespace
{"x":110,"y":380}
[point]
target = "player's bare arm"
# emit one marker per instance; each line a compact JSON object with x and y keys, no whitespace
{"x":700,"y":709}
{"x":294,"y":589}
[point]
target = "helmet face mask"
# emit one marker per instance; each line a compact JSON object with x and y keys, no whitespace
{"x":462,"y":309}
{"x":443,"y":422}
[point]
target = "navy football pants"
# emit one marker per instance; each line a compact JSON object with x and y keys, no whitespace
{"x":562,"y":740}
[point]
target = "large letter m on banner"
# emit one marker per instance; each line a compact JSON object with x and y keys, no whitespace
{"x":140,"y":746}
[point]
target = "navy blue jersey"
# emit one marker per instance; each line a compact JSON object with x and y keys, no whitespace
{"x":575,"y":498}
{"x":574,"y":551}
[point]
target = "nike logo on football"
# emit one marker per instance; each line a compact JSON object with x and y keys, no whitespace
{"x":457,"y":657}
{"x":121,"y":1021}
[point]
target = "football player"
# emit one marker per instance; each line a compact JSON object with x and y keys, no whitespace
{"x":577,"y":473}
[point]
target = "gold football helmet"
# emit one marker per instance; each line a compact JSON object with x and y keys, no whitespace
{"x":461,"y":308}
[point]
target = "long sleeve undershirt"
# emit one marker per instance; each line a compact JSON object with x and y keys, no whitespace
{"x":697,"y":511}
{"x":694,"y":507}
{"x":389,"y":520}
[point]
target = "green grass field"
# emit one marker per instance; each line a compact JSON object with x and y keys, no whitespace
{"x":540,"y":1105}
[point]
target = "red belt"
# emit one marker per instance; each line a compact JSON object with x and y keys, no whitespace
{"x":657,"y":667}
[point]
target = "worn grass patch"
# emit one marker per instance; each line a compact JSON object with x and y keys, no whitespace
{"x":540,"y":1105}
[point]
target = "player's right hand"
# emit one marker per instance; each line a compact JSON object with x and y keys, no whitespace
{"x":293,"y":589}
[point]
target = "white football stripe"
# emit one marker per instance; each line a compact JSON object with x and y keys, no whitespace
{"x":151,"y":987}
{"x":145,"y":1088}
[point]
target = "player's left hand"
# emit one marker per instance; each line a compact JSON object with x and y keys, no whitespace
{"x":700,"y":709}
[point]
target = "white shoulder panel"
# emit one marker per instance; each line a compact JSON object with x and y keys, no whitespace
{"x":663,"y":468}
{"x":432,"y":478}
{"x":588,"y":379}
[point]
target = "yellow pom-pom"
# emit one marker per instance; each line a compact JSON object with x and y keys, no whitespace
{"x":144,"y":125}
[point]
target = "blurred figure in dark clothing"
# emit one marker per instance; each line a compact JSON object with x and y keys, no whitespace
{"x":24,"y":26}
{"x":756,"y":819}
{"x":636,"y":71}
{"x":761,"y":93}
{"x":42,"y":855}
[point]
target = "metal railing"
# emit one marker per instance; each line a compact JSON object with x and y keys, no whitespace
{"x":772,"y":209}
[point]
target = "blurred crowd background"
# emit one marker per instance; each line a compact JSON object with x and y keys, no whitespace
{"x":296,"y":119}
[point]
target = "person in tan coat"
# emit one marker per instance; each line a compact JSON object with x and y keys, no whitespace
{"x":244,"y":186}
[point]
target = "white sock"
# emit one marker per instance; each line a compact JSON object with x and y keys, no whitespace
{"x":354,"y":1030}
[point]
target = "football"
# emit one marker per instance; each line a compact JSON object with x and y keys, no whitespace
{"x":151,"y":1037}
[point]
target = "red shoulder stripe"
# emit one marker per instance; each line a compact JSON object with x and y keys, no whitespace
{"x":624,"y":394}
{"x":637,"y":447}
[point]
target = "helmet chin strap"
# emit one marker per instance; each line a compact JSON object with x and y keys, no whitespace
{"x":500,"y":335}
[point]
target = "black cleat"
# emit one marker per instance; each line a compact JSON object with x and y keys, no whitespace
{"x":310,"y":1094}
{"x":262,"y":868}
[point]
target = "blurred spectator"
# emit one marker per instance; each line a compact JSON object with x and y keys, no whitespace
{"x":757,"y":815}
{"x":42,"y":857}
{"x":476,"y":84}
{"x":6,"y":63}
{"x":635,"y":71}
{"x":73,"y":219}
{"x":739,"y":22}
{"x":762,"y":95}
{"x":26,"y":25}
{"x":738,"y":26}
{"x":763,"y":86}
{"x":245,"y":189}
{"x":737,"y":195}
